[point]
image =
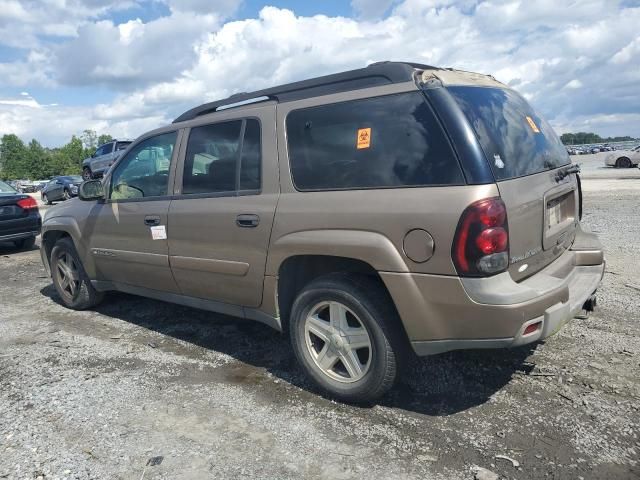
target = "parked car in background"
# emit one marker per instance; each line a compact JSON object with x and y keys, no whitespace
{"x":60,"y":188}
{"x":623,"y":158}
{"x":366,"y":214}
{"x":20,"y":221}
{"x":97,"y":164}
{"x":572,"y":151}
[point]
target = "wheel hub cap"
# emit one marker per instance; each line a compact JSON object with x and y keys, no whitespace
{"x":338,"y":342}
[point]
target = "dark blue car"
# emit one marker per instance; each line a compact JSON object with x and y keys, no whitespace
{"x":61,"y":188}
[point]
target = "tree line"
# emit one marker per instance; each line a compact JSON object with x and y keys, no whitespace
{"x":581,"y":138}
{"x":32,"y":161}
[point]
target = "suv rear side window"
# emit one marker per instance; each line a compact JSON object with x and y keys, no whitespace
{"x":219,"y":159}
{"x":380,"y":142}
{"x":515,"y":140}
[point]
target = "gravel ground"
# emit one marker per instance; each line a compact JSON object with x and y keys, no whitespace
{"x":100,"y":394}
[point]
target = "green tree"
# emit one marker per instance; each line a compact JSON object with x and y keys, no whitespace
{"x":14,"y":160}
{"x":104,"y":138}
{"x":89,"y":139}
{"x":37,"y":160}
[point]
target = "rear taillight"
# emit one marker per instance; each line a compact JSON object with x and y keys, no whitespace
{"x":27,"y":203}
{"x":481,"y":243}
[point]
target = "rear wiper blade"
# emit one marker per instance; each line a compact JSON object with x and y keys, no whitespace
{"x":561,"y":174}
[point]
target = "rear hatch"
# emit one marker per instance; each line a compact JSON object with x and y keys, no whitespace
{"x":530,"y":165}
{"x":9,"y":208}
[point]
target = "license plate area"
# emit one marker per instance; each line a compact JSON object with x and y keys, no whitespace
{"x":10,"y":211}
{"x":559,"y":215}
{"x":557,"y":210}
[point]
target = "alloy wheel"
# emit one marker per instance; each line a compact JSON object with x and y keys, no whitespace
{"x":68,"y":275}
{"x":338,"y":342}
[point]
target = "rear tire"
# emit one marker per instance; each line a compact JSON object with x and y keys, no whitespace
{"x":623,"y":162}
{"x":364,"y":372}
{"x":70,"y":279}
{"x":25,"y":243}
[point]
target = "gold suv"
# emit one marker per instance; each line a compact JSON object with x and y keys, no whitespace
{"x":368,"y":214}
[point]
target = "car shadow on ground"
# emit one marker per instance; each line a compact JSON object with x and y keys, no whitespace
{"x":9,"y":248}
{"x":439,"y":385}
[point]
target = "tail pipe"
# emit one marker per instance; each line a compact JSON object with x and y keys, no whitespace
{"x":590,"y":304}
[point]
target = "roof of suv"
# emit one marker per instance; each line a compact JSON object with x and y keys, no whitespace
{"x":376,"y":74}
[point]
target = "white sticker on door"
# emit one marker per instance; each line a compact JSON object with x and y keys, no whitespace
{"x":159,"y":232}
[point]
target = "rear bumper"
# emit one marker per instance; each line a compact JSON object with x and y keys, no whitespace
{"x":449,"y":313}
{"x":19,"y":228}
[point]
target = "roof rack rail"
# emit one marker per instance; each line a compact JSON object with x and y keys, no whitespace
{"x":379,"y":73}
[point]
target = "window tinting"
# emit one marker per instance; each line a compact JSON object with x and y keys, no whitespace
{"x":516,"y":141}
{"x":144,"y":171}
{"x":211,"y":162}
{"x":390,"y":141}
{"x":122,"y":145}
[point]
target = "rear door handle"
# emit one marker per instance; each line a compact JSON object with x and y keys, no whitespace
{"x":152,"y":220}
{"x":247,"y":220}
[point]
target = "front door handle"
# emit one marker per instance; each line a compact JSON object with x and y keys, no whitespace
{"x":152,"y":220}
{"x":247,"y":220}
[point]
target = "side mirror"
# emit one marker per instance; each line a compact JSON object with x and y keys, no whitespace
{"x":91,"y":190}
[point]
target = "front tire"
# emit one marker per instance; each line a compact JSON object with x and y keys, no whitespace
{"x":70,"y":279}
{"x":86,"y":174}
{"x":345,"y":333}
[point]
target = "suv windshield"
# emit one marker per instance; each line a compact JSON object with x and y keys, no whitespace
{"x":516,"y":141}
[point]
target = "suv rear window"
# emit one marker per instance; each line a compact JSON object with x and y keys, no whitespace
{"x":516,"y":141}
{"x":380,"y":142}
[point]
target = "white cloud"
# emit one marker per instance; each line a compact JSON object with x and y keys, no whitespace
{"x":221,"y":8}
{"x":576,"y":61}
{"x":575,"y":83}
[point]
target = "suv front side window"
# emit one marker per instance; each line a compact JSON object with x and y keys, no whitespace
{"x":144,"y":171}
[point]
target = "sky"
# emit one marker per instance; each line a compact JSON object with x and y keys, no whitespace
{"x":124,"y":67}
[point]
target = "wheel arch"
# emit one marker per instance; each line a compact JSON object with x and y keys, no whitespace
{"x":297,"y":258}
{"x":297,"y":271}
{"x":64,"y":227}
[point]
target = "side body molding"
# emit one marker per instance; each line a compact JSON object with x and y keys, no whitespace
{"x":369,"y":247}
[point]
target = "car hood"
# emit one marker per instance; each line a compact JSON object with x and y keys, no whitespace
{"x":74,"y":208}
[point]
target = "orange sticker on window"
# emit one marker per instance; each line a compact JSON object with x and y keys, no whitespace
{"x":364,"y":138}
{"x":533,"y":125}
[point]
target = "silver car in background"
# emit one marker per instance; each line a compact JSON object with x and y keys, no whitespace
{"x":97,"y":164}
{"x":623,"y":158}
